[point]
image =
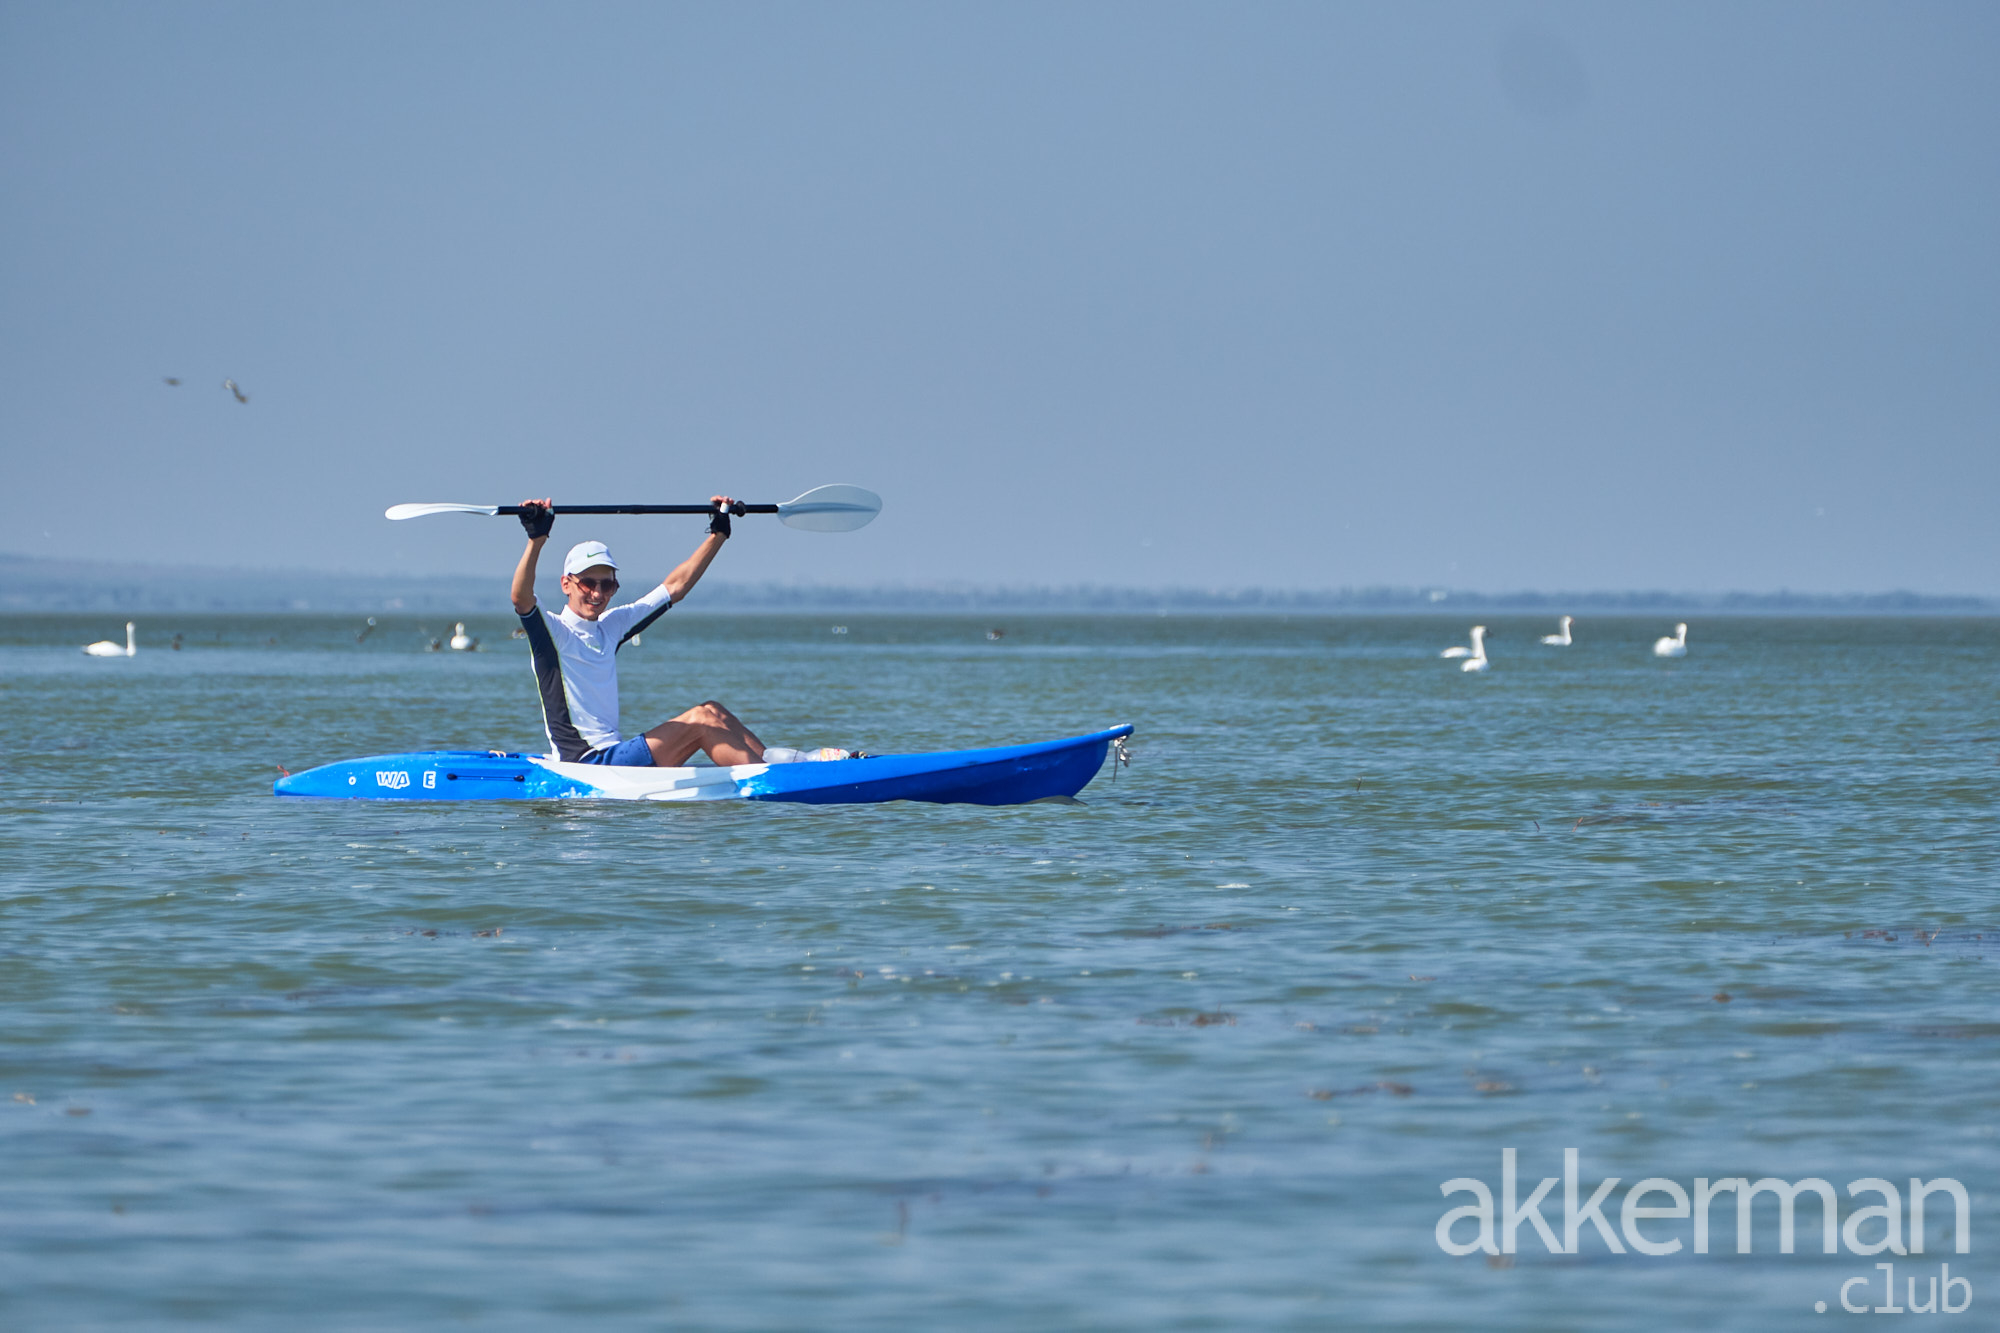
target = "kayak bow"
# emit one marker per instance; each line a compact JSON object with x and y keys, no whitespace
{"x":1004,"y":775}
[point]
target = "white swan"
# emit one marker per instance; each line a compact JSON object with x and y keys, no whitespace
{"x":1477,"y":653}
{"x":460,"y":642}
{"x":1677,"y":646}
{"x":106,"y":648}
{"x":1561,"y":640}
{"x":1476,"y":662}
{"x":1474,"y":651}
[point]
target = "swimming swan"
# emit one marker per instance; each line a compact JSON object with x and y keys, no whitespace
{"x":1561,"y":640}
{"x":1476,"y":662}
{"x":460,"y":643}
{"x":1677,"y":646}
{"x":106,"y":648}
{"x":1474,"y":651}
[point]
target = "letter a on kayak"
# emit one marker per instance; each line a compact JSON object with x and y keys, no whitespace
{"x":1006,"y":775}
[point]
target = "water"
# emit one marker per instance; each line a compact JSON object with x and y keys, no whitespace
{"x":1196,"y":1054}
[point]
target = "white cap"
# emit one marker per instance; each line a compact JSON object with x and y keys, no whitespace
{"x":585,"y":554}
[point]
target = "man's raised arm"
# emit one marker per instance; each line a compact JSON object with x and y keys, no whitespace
{"x":537,"y":516}
{"x":689,"y":571}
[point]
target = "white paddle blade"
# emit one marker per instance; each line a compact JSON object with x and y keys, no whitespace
{"x":419,"y":511}
{"x":831,"y":509}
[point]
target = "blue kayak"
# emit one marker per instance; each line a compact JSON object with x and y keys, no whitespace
{"x":1005,"y":775}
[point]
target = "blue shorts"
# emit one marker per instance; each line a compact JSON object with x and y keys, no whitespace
{"x":634,"y":753}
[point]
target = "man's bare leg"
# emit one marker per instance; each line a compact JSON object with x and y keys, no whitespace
{"x":709,"y":728}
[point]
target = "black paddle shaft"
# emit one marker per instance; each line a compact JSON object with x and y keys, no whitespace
{"x":646,"y":509}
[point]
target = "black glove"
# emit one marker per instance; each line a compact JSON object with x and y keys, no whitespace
{"x":537,"y":519}
{"x":718,"y":524}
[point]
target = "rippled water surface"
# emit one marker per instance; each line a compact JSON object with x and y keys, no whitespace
{"x":1196,"y":1053}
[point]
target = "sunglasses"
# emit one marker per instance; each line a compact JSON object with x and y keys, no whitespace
{"x":605,"y":586}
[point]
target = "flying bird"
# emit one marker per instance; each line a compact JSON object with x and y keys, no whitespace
{"x":173,"y":381}
{"x":241,"y":396}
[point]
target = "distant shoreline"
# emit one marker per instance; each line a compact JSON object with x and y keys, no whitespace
{"x":30,"y":584}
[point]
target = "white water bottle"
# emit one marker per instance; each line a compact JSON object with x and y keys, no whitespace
{"x":779,"y":754}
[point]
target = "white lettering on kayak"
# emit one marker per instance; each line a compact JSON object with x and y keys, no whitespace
{"x":397,"y":780}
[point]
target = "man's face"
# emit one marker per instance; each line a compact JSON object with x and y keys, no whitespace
{"x":590,"y":592}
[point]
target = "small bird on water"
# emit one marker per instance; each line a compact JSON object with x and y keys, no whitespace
{"x":241,"y":396}
{"x":1676,"y":646}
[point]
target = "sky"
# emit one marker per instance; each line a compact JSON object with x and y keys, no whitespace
{"x":1487,"y":296}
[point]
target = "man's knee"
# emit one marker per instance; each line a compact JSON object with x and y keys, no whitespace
{"x":709,"y":713}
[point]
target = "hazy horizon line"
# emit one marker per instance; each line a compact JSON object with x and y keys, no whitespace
{"x":39,"y":583}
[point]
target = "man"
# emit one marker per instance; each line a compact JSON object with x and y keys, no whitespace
{"x":576,"y":655}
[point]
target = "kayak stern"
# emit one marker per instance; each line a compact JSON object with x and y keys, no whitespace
{"x":435,"y":775}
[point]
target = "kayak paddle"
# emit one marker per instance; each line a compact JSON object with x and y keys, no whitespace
{"x":822,"y":509}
